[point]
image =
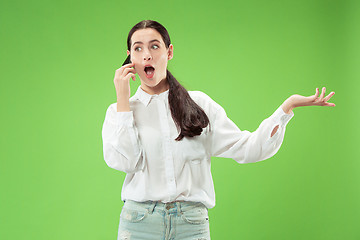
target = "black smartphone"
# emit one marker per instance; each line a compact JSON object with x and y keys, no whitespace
{"x":127,"y":60}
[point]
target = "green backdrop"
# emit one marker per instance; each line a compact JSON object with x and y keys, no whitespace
{"x":58,"y":60}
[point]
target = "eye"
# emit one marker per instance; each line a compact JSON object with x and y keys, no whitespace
{"x":155,"y":46}
{"x":137,"y":48}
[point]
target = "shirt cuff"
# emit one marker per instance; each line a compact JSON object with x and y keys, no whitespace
{"x":125,"y":119}
{"x":280,"y":116}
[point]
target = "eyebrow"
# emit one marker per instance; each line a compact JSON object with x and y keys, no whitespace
{"x":154,"y":40}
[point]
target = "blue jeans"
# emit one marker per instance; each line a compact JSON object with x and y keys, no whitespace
{"x":163,"y":221}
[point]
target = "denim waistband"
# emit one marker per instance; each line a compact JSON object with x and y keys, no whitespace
{"x":176,"y":206}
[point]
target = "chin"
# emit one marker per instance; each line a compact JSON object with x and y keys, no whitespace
{"x":151,"y":83}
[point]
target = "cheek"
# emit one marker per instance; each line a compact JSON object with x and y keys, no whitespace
{"x":137,"y":65}
{"x":164,"y":57}
{"x":135,"y":59}
{"x":163,"y":61}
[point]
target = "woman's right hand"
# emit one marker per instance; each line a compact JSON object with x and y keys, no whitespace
{"x":121,"y":80}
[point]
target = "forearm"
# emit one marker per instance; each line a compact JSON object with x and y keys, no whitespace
{"x":288,"y":105}
{"x":122,"y":96}
{"x":123,"y":104}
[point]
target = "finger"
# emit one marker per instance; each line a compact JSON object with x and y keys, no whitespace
{"x":127,"y":77}
{"x":119,"y":72}
{"x":322,"y":93}
{"x":130,"y":75}
{"x":329,"y":96}
{"x":329,"y":104}
{"x":128,"y":65}
{"x":313,"y":98}
{"x":127,"y":71}
{"x":317,"y":93}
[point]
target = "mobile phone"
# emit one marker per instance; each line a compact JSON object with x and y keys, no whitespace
{"x":127,"y":60}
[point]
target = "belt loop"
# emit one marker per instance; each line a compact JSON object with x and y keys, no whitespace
{"x":151,"y":207}
{"x":178,"y":204}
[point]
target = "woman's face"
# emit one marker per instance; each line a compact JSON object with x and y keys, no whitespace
{"x":148,"y":48}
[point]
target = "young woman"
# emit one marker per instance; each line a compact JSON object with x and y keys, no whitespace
{"x":164,"y":136}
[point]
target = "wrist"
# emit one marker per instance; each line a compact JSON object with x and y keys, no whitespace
{"x":122,"y":106}
{"x":122,"y":96}
{"x":288,"y":105}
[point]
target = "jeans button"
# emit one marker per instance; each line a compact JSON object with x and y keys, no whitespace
{"x":169,"y":206}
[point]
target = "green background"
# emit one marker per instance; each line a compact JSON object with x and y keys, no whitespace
{"x":58,"y":60}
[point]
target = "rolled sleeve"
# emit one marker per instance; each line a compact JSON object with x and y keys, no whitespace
{"x":121,"y":144}
{"x":124,"y":119}
{"x":243,"y":146}
{"x":280,"y":116}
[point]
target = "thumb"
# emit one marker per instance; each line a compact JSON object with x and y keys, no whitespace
{"x":316,"y":93}
{"x":314,"y":97}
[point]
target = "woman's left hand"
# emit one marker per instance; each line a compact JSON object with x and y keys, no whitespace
{"x":314,"y":100}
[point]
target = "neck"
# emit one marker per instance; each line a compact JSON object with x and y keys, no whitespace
{"x":160,"y":88}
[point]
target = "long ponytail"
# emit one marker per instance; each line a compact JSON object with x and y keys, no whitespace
{"x":187,"y":115}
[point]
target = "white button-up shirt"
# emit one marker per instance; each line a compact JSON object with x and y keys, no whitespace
{"x":142,"y":144}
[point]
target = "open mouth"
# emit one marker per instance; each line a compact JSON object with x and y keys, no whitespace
{"x":149,"y":71}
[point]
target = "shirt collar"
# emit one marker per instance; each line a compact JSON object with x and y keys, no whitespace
{"x":145,"y":97}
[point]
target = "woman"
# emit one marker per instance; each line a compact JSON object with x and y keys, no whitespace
{"x":164,"y":136}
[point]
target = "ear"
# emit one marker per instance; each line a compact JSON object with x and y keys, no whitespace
{"x":170,"y":52}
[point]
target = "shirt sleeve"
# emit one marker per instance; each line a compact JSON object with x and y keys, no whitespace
{"x":228,"y":141}
{"x":121,"y":146}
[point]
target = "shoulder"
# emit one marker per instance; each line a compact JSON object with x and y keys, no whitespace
{"x":200,"y":96}
{"x":204,"y":100}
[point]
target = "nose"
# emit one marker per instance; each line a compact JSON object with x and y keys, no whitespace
{"x":147,"y":56}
